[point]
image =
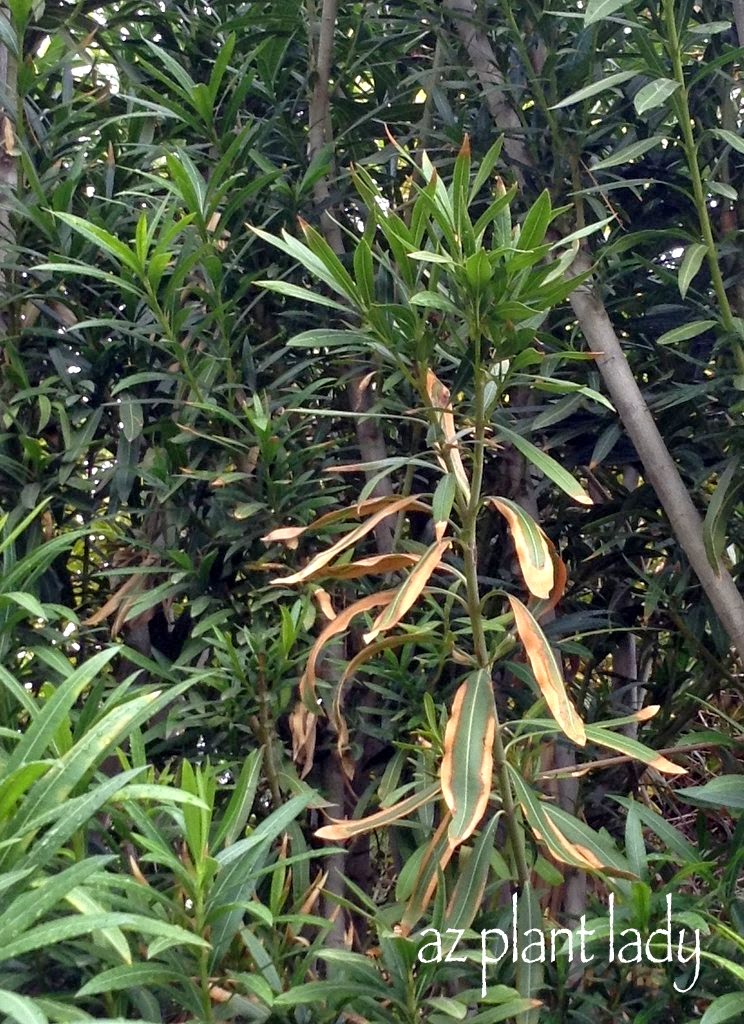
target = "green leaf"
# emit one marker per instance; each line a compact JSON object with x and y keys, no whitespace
{"x":671,"y":837}
{"x":724,"y":1008}
{"x":730,"y":138}
{"x":547,"y":465}
{"x":72,"y":926}
{"x":691,"y":263}
{"x":132,"y":419}
{"x":28,"y":602}
{"x":435,"y":300}
{"x":102,"y":239}
{"x":654,"y":94}
{"x":710,"y":28}
{"x":627,"y":745}
{"x":595,"y":88}
{"x":529,"y":976}
{"x":598,"y":10}
{"x":303,"y":294}
{"x":444,"y":498}
{"x":329,"y":338}
{"x":130,"y":976}
{"x":467,"y":895}
{"x":536,"y":222}
{"x":485,"y":168}
{"x":719,"y":509}
{"x":627,"y":153}
{"x":725,"y":791}
{"x":425,"y":256}
{"x":20,"y":1008}
{"x":686,"y":331}
{"x":39,"y":736}
{"x":82,"y":269}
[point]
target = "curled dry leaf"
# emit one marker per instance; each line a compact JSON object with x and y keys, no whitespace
{"x":372,"y":566}
{"x":547,"y":672}
{"x":439,"y":396}
{"x":323,"y":600}
{"x":339,"y":624}
{"x":302,"y":726}
{"x":531,"y":545}
{"x":348,"y":540}
{"x":285,"y":535}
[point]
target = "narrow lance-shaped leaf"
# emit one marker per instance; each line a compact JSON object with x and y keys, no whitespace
{"x":439,"y":397}
{"x":720,"y":507}
{"x":547,"y":465}
{"x":531,"y":546}
{"x":340,"y":830}
{"x":691,"y":263}
{"x":437,"y":857}
{"x":547,"y":672}
{"x":409,"y":591}
{"x":324,"y":557}
{"x":471,"y":880}
{"x":627,"y":745}
{"x":467,"y":765}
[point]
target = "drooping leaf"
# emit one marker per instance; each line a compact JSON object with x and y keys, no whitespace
{"x":547,"y":465}
{"x":718,"y":512}
{"x":347,"y":540}
{"x":547,"y":672}
{"x":449,"y":457}
{"x":531,"y":546}
{"x":338,"y":625}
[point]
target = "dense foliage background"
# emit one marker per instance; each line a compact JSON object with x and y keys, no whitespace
{"x":166,"y":757}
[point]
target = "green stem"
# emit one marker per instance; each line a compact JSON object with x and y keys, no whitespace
{"x":682,"y":109}
{"x":468,"y":541}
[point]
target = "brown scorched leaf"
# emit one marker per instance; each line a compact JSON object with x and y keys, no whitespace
{"x":531,"y":546}
{"x":467,"y":765}
{"x":547,"y":672}
{"x":439,"y":397}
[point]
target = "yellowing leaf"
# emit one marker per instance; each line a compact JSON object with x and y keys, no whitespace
{"x":547,"y":672}
{"x":409,"y":591}
{"x":531,"y":546}
{"x":439,"y":397}
{"x":340,"y":830}
{"x":348,"y":540}
{"x":339,"y":624}
{"x":467,"y":765}
{"x":633,"y":748}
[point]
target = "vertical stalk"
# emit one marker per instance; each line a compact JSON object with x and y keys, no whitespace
{"x":468,"y":541}
{"x":682,"y":110}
